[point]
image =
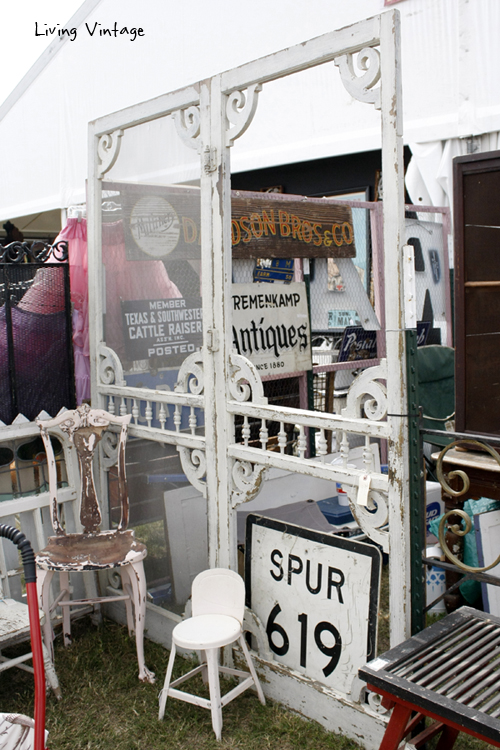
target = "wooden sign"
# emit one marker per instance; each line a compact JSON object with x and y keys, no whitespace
{"x":316,"y":595}
{"x":271,"y":225}
{"x":270,"y":326}
{"x":163,"y":222}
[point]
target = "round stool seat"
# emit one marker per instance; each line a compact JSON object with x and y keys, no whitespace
{"x":206,"y":631}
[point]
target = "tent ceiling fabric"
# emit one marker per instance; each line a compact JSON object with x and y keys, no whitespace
{"x":450,"y":65}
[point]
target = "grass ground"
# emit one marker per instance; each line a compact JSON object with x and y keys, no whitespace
{"x":105,"y":707}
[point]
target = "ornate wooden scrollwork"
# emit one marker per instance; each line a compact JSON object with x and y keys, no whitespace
{"x":245,"y":385}
{"x":247,"y":481}
{"x":187,"y":124}
{"x":110,"y":368}
{"x":240,"y":110}
{"x":194,"y":465}
{"x":193,"y":460}
{"x":244,"y":382}
{"x":108,"y":149}
{"x":367,"y":397}
{"x":368,"y":394}
{"x":190,"y":378}
{"x":361,"y":87}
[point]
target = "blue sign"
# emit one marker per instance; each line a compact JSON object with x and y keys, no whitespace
{"x":423,"y":328}
{"x":276,"y":269}
{"x":357,"y":344}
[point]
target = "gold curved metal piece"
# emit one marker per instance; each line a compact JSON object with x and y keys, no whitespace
{"x":458,"y":472}
{"x":460,"y":532}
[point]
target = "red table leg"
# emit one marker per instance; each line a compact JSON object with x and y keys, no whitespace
{"x":396,"y":728}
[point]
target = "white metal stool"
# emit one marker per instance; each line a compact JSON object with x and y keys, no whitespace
{"x":218,"y":604}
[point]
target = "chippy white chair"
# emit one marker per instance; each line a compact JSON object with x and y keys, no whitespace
{"x":218,"y":605}
{"x":92,"y":549}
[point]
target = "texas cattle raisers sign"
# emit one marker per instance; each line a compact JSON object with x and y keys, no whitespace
{"x":317,"y":597}
{"x":168,"y":329}
{"x":270,"y":326}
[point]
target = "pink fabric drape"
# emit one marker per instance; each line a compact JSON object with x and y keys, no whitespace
{"x":125,"y":280}
{"x":75,"y":234}
{"x":128,"y":280}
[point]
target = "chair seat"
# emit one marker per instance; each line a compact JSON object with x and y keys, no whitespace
{"x":15,"y":621}
{"x":206,"y":631}
{"x":76,"y":552}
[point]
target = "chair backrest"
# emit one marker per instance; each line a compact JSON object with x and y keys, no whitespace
{"x":218,"y":592}
{"x":83,"y":428}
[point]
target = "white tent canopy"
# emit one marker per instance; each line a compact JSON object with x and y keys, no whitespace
{"x":450,"y":62}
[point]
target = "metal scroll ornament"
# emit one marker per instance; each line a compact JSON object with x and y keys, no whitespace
{"x":361,"y":87}
{"x":37,"y":252}
{"x":455,"y":528}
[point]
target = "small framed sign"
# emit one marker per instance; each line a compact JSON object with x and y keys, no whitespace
{"x":168,"y":329}
{"x":357,"y":344}
{"x":270,"y":326}
{"x":317,"y":597}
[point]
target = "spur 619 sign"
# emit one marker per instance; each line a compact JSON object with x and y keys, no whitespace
{"x":317,"y":597}
{"x":270,"y":326}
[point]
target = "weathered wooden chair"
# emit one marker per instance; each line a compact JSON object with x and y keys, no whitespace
{"x":91,"y":549}
{"x":450,"y":672}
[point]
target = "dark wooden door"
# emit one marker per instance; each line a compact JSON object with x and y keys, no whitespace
{"x":477,"y":292}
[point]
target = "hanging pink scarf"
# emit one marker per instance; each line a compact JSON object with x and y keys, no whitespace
{"x":75,"y":234}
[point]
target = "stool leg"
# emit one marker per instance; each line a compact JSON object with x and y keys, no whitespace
{"x":214,"y":687}
{"x":203,"y":663}
{"x":251,"y":667}
{"x":64,"y":584}
{"x":138,"y":583}
{"x":44,"y":578}
{"x":396,"y":728}
{"x":50,"y":672}
{"x":168,"y":676}
{"x":128,"y":602}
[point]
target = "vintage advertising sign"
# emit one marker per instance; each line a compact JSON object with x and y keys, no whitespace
{"x":317,"y":597}
{"x":270,"y":225}
{"x":270,"y":326}
{"x":159,"y":223}
{"x":163,"y":222}
{"x":357,"y":344}
{"x":276,"y":269}
{"x":166,"y":328}
{"x":343,"y":318}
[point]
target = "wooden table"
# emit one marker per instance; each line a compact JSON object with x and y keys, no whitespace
{"x":449,"y":672}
